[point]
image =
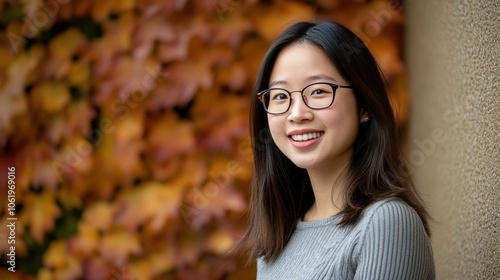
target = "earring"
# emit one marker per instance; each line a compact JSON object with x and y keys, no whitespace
{"x":365,"y":119}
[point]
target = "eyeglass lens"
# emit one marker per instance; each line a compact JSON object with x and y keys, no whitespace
{"x":316,"y":96}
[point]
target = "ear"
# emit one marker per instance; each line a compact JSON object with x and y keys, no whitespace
{"x":364,"y":116}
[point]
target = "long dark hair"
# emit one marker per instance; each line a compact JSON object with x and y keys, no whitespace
{"x":281,"y":192}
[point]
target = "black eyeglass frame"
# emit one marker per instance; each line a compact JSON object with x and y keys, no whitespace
{"x":334,"y":88}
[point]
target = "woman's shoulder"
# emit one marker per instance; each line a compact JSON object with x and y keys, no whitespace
{"x":390,"y":210}
{"x":393,"y":231}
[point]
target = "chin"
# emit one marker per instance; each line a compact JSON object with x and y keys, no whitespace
{"x":304,"y":164}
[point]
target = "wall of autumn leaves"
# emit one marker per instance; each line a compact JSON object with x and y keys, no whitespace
{"x":126,"y":122}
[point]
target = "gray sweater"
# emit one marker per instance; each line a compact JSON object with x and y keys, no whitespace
{"x":388,"y":242}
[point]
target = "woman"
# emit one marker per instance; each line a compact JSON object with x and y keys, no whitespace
{"x":331,"y":198}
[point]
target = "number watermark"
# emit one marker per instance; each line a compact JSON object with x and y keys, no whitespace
{"x":11,"y":218}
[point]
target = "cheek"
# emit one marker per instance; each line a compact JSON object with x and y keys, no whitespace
{"x":344,"y":113}
{"x":276,"y":126}
{"x":343,"y":122}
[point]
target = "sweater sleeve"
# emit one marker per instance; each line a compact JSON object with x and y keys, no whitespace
{"x":395,"y":245}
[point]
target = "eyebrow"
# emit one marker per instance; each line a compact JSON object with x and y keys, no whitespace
{"x":308,"y":79}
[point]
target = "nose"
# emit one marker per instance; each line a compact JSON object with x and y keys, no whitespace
{"x":299,"y":112}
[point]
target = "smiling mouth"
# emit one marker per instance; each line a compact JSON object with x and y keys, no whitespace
{"x":307,"y":136}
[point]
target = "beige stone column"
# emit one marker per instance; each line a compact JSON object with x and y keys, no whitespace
{"x":453,"y":60}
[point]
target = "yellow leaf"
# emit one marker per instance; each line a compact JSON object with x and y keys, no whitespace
{"x":131,"y":127}
{"x":20,"y":68}
{"x":138,"y":270}
{"x":163,"y":260}
{"x":39,"y":214}
{"x":72,"y":270}
{"x":52,"y":96}
{"x":219,"y":242}
{"x":64,"y":265}
{"x":99,"y":215}
{"x":85,"y":242}
{"x":45,"y":274}
{"x":56,"y":255}
{"x":79,"y":75}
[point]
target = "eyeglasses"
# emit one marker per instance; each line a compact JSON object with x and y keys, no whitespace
{"x":316,"y":96}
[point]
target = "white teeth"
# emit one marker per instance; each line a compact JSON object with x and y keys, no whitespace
{"x":306,"y":136}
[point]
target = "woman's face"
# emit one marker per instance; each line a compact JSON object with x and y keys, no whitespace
{"x":313,"y":138}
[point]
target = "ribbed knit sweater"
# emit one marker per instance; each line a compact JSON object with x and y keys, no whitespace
{"x":388,"y":242}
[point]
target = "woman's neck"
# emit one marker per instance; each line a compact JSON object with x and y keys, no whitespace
{"x":328,"y":186}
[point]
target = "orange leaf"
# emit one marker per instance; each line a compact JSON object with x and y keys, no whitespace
{"x":61,"y":50}
{"x":130,"y":128}
{"x":170,"y":136}
{"x":227,"y":114}
{"x":212,"y":201}
{"x":271,"y":22}
{"x":232,"y":29}
{"x":151,"y":203}
{"x":116,"y":246}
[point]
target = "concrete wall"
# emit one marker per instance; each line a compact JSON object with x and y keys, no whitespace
{"x":453,"y":59}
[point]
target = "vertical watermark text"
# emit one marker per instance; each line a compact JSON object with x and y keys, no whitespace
{"x":11,"y":218}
